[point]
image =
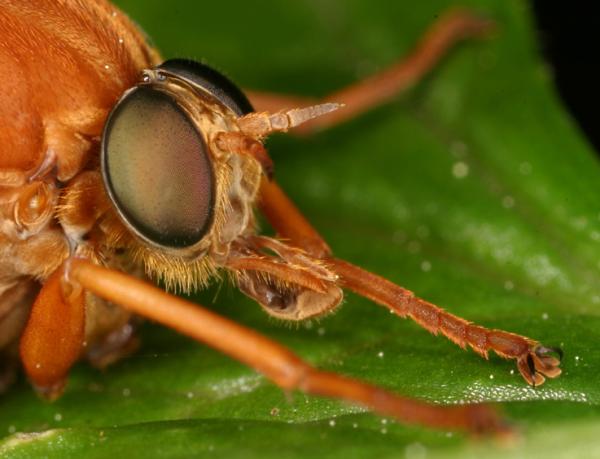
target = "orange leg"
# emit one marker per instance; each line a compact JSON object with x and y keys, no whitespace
{"x":53,"y":337}
{"x":270,"y":358}
{"x":287,"y":220}
{"x":533,"y":360}
{"x":382,"y":87}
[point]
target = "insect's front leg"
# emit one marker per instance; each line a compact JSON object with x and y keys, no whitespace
{"x":534,"y":361}
{"x":287,"y":282}
{"x":450,"y":28}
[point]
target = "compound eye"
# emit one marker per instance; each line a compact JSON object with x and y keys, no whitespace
{"x":157,"y":170}
{"x":214,"y":82}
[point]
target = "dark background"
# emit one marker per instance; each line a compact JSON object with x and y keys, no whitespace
{"x":570,"y":38}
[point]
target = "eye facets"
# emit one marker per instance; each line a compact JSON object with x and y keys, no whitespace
{"x":157,"y":170}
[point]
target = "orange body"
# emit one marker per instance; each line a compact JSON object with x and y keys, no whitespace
{"x":63,"y":64}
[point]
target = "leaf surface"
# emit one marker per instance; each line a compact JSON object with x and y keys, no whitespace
{"x":474,"y":190}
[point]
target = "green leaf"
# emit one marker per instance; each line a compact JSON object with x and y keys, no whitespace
{"x":474,"y":190}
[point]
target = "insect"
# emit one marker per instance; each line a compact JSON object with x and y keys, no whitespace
{"x":116,"y":165}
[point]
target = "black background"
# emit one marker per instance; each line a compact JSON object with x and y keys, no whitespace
{"x":569,"y":34}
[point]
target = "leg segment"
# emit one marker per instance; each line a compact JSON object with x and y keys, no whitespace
{"x":533,"y":360}
{"x":270,"y":358}
{"x":359,"y":97}
{"x":53,"y":337}
{"x":288,"y":221}
{"x":287,"y":282}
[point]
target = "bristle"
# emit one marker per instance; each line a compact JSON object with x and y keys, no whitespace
{"x":176,"y":274}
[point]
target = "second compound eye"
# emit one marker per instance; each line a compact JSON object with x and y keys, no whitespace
{"x":212,"y":81}
{"x":157,"y":169}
